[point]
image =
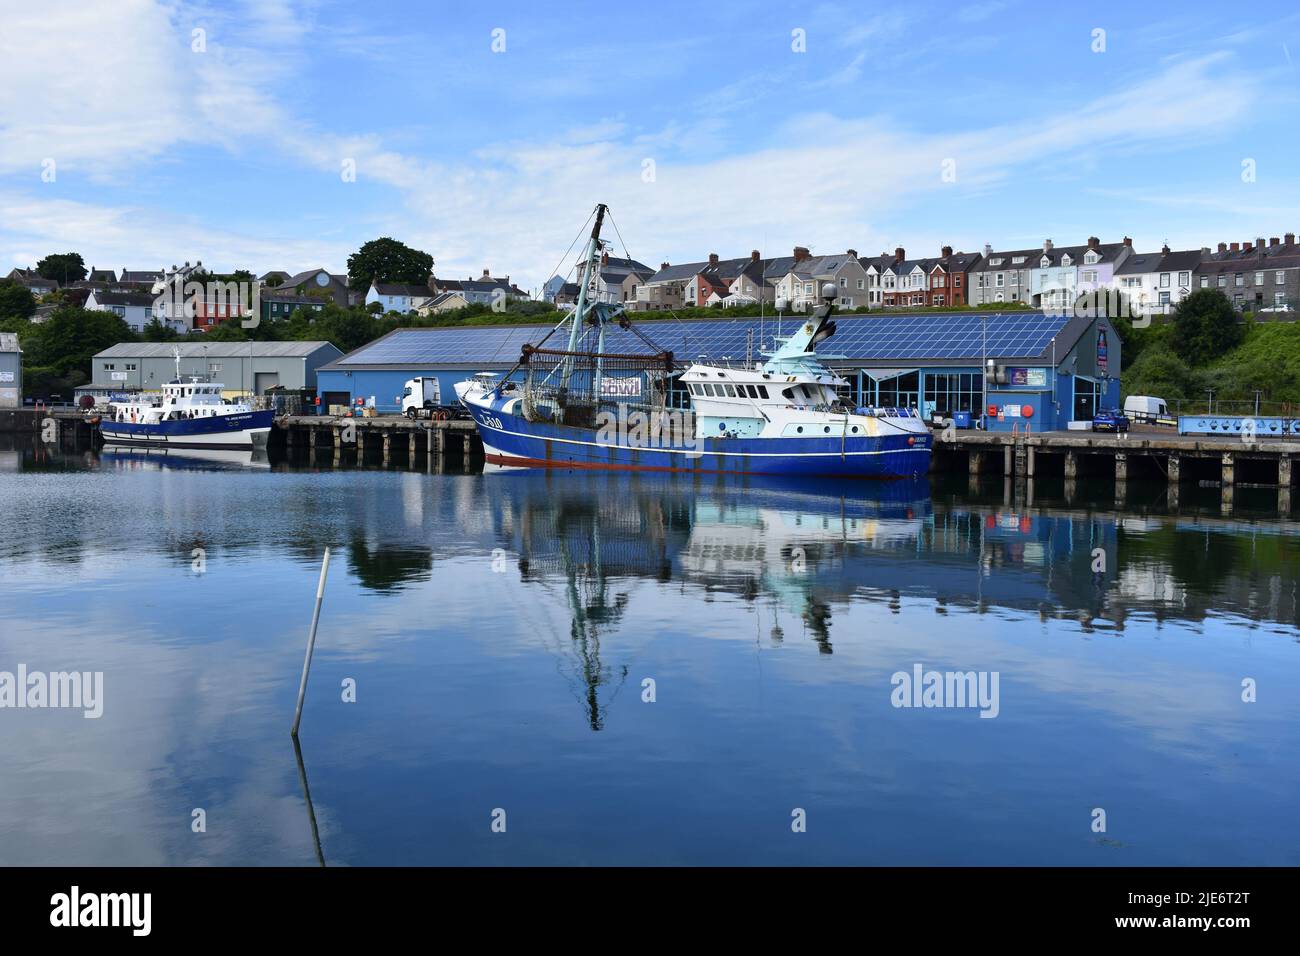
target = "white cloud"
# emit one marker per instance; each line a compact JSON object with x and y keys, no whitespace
{"x":818,"y":180}
{"x":143,"y":238}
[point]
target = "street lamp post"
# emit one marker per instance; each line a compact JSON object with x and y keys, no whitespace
{"x":1056,"y":405}
{"x":984,"y":370}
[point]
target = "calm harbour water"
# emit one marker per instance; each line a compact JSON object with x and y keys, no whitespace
{"x":499,"y":628}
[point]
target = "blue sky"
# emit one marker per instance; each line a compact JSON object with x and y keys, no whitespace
{"x":234,"y":153}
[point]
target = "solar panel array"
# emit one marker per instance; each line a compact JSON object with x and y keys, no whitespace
{"x":865,"y":338}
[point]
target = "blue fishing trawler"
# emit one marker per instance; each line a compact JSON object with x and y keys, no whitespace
{"x":581,"y":406}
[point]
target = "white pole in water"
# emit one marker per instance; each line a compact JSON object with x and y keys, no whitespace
{"x":311,"y":642}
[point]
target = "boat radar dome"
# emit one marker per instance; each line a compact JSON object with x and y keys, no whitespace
{"x":829,"y":291}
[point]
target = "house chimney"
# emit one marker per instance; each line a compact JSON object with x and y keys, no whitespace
{"x":988,"y":250}
{"x":1047,"y":245}
{"x":900,"y":254}
{"x":713,"y":258}
{"x":1259,"y":242}
{"x":1205,"y":251}
{"x":1093,"y":242}
{"x":1290,"y":238}
{"x":663,"y":266}
{"x":853,"y":253}
{"x":1247,"y":246}
{"x":487,"y":274}
{"x":947,"y":251}
{"x":1272,"y":241}
{"x":1128,"y":242}
{"x":754,"y":256}
{"x":801,"y":253}
{"x":604,"y":258}
{"x":1223,"y":247}
{"x":1165,"y":248}
{"x":1234,"y":247}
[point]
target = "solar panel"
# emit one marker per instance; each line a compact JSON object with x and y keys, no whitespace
{"x":864,"y":338}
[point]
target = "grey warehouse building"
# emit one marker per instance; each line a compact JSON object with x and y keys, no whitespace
{"x":241,"y":367}
{"x":11,"y":371}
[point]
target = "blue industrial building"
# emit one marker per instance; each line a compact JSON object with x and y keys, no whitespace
{"x":1010,"y":368}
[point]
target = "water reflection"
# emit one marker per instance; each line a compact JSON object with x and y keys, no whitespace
{"x":500,"y":627}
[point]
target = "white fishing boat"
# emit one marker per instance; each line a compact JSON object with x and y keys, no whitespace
{"x":189,"y":414}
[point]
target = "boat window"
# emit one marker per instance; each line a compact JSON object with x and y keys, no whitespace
{"x":788,"y":393}
{"x":731,"y":391}
{"x":751,"y":391}
{"x":762,"y":390}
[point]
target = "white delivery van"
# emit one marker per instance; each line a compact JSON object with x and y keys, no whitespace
{"x":420,"y":397}
{"x":1145,"y":408}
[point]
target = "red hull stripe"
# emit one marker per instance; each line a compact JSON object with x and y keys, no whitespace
{"x":597,"y":466}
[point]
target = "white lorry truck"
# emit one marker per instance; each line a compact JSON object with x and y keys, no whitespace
{"x":421,"y":398}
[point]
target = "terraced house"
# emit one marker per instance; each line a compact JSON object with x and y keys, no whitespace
{"x":949,"y":277}
{"x":1060,"y":274}
{"x":1001,"y":276}
{"x":693,"y":283}
{"x":800,"y":286}
{"x":1258,"y":277}
{"x":1155,"y":282}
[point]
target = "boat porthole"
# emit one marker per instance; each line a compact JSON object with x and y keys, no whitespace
{"x":827,"y":429}
{"x":799,"y":429}
{"x":855,"y":429}
{"x":722,"y":426}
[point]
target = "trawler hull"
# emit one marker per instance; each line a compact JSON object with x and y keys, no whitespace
{"x":510,"y":439}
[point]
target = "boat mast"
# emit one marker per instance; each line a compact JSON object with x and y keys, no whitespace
{"x":581,"y":307}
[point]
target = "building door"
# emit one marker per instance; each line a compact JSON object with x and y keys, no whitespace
{"x":1087,"y":394}
{"x":264,"y":380}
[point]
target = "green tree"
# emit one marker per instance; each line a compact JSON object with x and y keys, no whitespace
{"x":155,"y":330}
{"x":69,"y":340}
{"x":230,"y":330}
{"x":63,"y":267}
{"x":1205,"y":327}
{"x":387,"y":260}
{"x":1159,"y":371}
{"x":15,"y":300}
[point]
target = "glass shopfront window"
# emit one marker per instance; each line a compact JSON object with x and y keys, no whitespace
{"x":953,"y":391}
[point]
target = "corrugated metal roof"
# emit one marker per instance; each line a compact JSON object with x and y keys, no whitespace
{"x":215,"y":349}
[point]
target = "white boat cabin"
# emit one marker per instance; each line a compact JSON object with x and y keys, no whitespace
{"x":179,"y":400}
{"x":744,"y":403}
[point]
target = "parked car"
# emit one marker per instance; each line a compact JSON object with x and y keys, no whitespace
{"x":1110,"y":420}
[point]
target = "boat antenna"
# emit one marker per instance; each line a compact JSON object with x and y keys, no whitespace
{"x":176,"y":356}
